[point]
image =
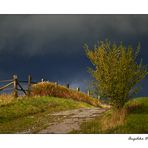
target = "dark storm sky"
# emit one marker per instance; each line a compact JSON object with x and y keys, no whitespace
{"x":50,"y":46}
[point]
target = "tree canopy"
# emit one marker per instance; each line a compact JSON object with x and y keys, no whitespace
{"x":115,"y":71}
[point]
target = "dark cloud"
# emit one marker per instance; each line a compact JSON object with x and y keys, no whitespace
{"x":50,"y":46}
{"x":34,"y":34}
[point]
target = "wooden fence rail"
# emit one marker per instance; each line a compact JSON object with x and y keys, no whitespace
{"x":6,"y":80}
{"x":5,"y":86}
{"x":16,"y":83}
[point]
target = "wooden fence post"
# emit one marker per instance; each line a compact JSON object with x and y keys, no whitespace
{"x":78,"y":88}
{"x":56,"y":83}
{"x":15,"y":93}
{"x":42,"y":80}
{"x":88,"y":92}
{"x":67,"y":85}
{"x":29,"y":85}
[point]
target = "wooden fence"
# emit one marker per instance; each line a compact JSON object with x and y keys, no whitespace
{"x":16,"y":85}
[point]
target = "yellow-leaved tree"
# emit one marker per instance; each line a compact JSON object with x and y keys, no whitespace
{"x":115,"y":71}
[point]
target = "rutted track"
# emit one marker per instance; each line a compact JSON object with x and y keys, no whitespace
{"x":71,"y":120}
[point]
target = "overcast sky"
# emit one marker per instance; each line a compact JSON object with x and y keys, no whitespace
{"x":51,"y":46}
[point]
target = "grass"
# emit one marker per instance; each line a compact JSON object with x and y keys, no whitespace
{"x":133,"y":119}
{"x":51,"y":89}
{"x":32,"y":114}
{"x":5,"y":99}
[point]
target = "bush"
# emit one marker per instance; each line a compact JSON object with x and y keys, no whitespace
{"x":115,"y":71}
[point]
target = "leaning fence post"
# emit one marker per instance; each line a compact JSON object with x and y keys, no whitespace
{"x":15,"y":93}
{"x":29,"y":85}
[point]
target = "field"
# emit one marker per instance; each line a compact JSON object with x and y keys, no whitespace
{"x":133,"y":119}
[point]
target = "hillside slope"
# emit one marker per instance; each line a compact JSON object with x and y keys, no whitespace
{"x":51,"y":89}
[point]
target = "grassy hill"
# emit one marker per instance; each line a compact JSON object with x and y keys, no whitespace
{"x":51,"y":89}
{"x":33,"y":113}
{"x":133,"y":119}
{"x":22,"y":114}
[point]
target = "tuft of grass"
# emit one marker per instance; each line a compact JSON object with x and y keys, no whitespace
{"x":132,"y":119}
{"x":51,"y":89}
{"x":113,"y":119}
{"x":5,"y":99}
{"x":33,"y":113}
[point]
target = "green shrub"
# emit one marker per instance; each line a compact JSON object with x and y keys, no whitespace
{"x":115,"y":71}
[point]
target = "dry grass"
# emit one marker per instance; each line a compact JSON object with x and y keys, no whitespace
{"x":51,"y":89}
{"x":113,"y":119}
{"x":116,"y":118}
{"x":5,"y":99}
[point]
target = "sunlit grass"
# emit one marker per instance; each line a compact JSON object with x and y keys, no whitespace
{"x":51,"y":89}
{"x":33,"y":113}
{"x":6,"y":99}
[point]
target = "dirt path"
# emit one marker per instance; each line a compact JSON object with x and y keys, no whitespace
{"x":71,"y":120}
